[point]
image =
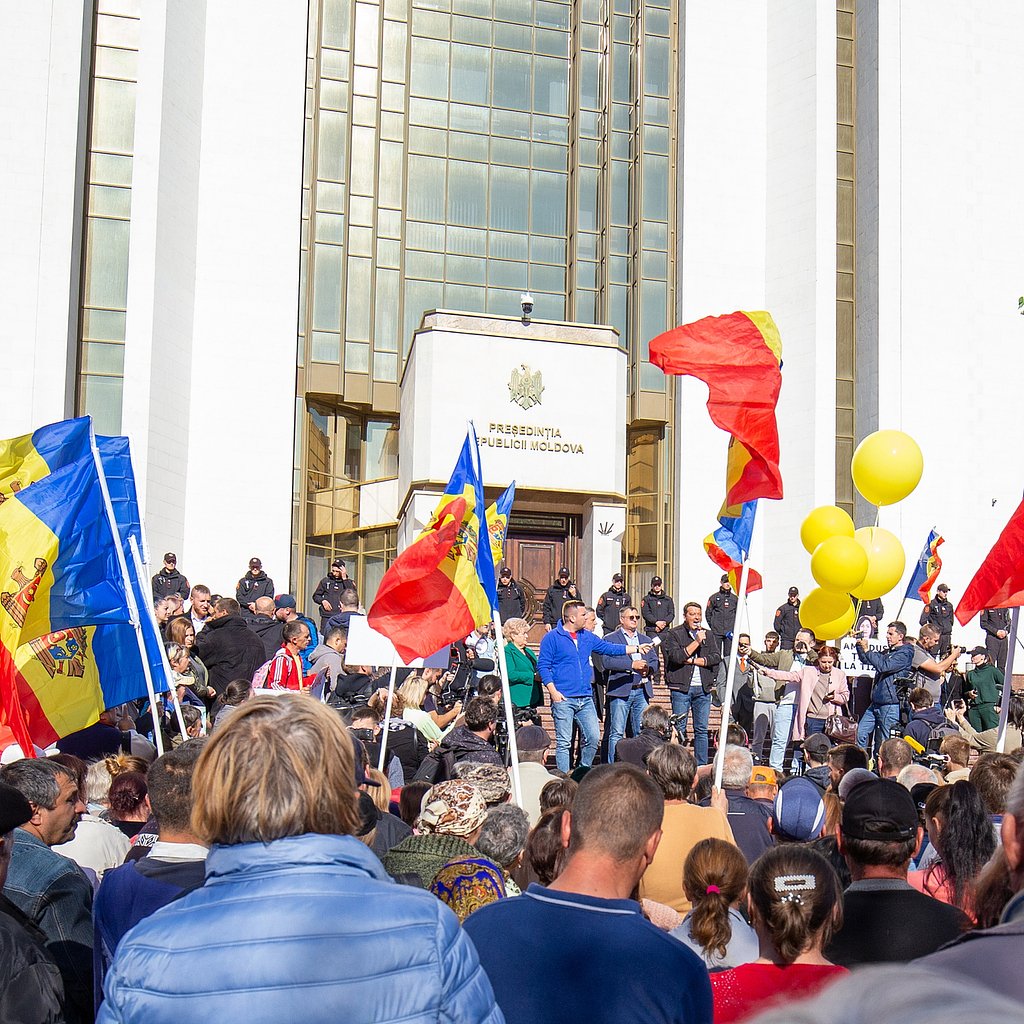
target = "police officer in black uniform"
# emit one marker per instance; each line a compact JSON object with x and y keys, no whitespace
{"x":939,"y":613}
{"x":169,"y":581}
{"x":328,"y":591}
{"x":511,"y":599}
{"x":721,"y":617}
{"x":996,"y":624}
{"x":787,"y":620}
{"x":611,"y":602}
{"x":562,"y":590}
{"x":657,"y":608}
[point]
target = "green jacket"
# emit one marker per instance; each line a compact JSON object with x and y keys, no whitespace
{"x":425,"y":855}
{"x":522,"y":684}
{"x":986,"y":682}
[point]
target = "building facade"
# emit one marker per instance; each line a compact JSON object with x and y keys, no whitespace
{"x":228,"y":239}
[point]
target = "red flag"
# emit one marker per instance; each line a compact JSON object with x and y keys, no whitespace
{"x":999,"y":581}
{"x":738,"y":357}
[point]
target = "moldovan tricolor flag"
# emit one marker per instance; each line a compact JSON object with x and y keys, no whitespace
{"x":929,"y":565}
{"x":739,"y":357}
{"x":999,"y":581}
{"x":497,"y":524}
{"x":442,"y":586}
{"x":59,"y":575}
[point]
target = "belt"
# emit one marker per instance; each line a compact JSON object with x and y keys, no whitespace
{"x":637,"y":686}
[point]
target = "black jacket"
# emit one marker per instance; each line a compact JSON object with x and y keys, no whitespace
{"x":939,"y":613}
{"x":874,"y":608}
{"x":268,"y":629}
{"x":637,"y":749}
{"x":609,"y":604}
{"x":339,"y":620}
{"x":459,"y":745}
{"x":679,"y":667}
{"x":555,"y":597}
{"x":166,"y":583}
{"x":330,"y":589}
{"x":229,"y":650}
{"x":995,"y":619}
{"x":31,"y":989}
{"x":511,"y":601}
{"x":657,"y":608}
{"x":251,"y":587}
{"x":721,"y":613}
{"x":405,"y":742}
{"x":787,"y":624}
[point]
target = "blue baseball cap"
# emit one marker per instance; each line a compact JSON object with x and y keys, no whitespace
{"x":798,"y":813}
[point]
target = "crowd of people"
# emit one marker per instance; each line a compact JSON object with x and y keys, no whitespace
{"x":310,"y":843}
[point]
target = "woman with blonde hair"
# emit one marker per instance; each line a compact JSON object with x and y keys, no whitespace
{"x":431,"y":724}
{"x":715,"y":882}
{"x":523,"y":685}
{"x":274,"y":798}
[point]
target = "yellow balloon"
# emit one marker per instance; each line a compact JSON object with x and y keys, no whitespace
{"x":824,"y":522}
{"x":887,"y":466}
{"x":839,"y":564}
{"x":886,"y":562}
{"x":828,"y":614}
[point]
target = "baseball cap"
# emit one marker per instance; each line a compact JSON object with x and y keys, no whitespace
{"x":532,"y":737}
{"x":656,"y":581}
{"x":817,"y":743}
{"x":882,"y":810}
{"x":617,"y":578}
{"x":977,"y":650}
{"x":725,"y":578}
{"x":505,"y":572}
{"x":852,"y":779}
{"x":920,"y":792}
{"x":255,"y":563}
{"x":793,"y":592}
{"x":284,"y":601}
{"x":943,"y":588}
{"x":564,"y":571}
{"x":171,"y":557}
{"x":15,"y":810}
{"x":798,"y":812}
{"x":338,"y":563}
{"x":763,"y":776}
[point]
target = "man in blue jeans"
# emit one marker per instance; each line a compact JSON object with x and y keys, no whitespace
{"x":564,"y":667}
{"x":884,"y":710}
{"x":629,"y":688}
{"x":691,"y":660}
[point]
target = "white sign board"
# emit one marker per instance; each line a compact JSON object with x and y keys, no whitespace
{"x":368,"y":647}
{"x":851,"y":664}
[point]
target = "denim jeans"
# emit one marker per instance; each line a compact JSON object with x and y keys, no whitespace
{"x":699,"y":702}
{"x":879,"y":718}
{"x":619,"y":710}
{"x":582,"y":710}
{"x":781,"y":731}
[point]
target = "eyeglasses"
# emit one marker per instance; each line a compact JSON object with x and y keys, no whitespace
{"x":632,"y":618}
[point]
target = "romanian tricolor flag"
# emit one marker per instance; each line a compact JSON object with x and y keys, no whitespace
{"x":929,"y":565}
{"x":442,"y":586}
{"x":739,"y":357}
{"x":60,"y":579}
{"x":497,"y":524}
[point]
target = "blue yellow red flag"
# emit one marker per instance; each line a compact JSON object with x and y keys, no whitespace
{"x":443,"y":585}
{"x":59,"y":573}
{"x":497,"y":524}
{"x":926,"y":572}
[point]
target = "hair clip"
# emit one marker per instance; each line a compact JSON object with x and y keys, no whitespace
{"x":792,"y":897}
{"x":795,"y":883}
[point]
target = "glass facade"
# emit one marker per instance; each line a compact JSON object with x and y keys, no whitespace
{"x":458,"y":153}
{"x":108,"y":212}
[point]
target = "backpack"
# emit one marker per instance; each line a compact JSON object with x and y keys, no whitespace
{"x":437,"y":766}
{"x":938,"y":733}
{"x":259,"y":677}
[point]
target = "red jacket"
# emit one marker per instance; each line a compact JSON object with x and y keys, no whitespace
{"x":285,"y":671}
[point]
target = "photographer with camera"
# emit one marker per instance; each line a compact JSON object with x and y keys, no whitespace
{"x":926,"y":671}
{"x":473,"y":741}
{"x":883,"y":713}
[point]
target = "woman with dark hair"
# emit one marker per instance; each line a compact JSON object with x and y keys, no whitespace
{"x":715,"y":880}
{"x":129,"y":802}
{"x":795,"y":903}
{"x":235,"y":694}
{"x":544,"y":852}
{"x":558,"y":793}
{"x":961,"y":832}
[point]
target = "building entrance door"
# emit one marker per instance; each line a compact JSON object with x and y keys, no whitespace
{"x":535,"y":561}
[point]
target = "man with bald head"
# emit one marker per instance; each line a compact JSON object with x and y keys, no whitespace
{"x":265,"y":624}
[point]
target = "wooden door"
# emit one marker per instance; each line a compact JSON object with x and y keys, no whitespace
{"x":535,"y":562}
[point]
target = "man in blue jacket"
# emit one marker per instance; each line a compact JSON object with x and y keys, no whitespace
{"x":630,"y":680}
{"x":564,"y":667}
{"x":884,"y":710}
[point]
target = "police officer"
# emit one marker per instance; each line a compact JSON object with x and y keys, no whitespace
{"x":328,"y":592}
{"x":511,"y":599}
{"x":721,"y":617}
{"x":611,"y":602}
{"x":169,"y":581}
{"x":562,"y":590}
{"x":787,"y":620}
{"x":938,"y":612}
{"x":996,"y":624}
{"x":254,"y":584}
{"x":657,"y":608}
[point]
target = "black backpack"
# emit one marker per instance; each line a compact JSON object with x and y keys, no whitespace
{"x":437,"y":766}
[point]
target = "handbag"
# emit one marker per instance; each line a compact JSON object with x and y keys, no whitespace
{"x":841,"y":727}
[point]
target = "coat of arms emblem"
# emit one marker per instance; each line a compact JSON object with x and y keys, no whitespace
{"x":525,"y":387}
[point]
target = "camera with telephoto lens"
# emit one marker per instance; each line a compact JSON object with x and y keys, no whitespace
{"x":930,"y":759}
{"x":363,"y":734}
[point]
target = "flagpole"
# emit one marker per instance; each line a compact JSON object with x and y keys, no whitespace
{"x":730,"y":674}
{"x":510,"y":715}
{"x":387,"y":714}
{"x":1004,"y":706}
{"x":133,"y":608}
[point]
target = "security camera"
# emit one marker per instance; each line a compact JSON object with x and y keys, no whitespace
{"x":526,"y":299}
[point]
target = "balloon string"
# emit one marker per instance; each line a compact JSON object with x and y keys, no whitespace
{"x":860,"y":600}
